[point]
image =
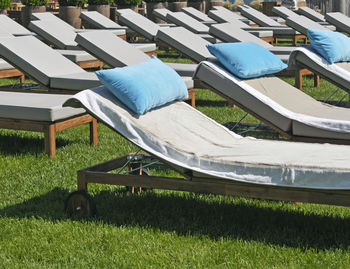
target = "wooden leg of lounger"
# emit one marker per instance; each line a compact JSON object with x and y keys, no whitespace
{"x":93,"y":132}
{"x":50,"y":140}
{"x":299,"y":79}
{"x":316,"y":81}
{"x":22,"y":78}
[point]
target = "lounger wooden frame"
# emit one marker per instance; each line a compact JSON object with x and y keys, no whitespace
{"x":100,"y":174}
{"x":13,"y":72}
{"x":288,"y":135}
{"x":50,"y":128}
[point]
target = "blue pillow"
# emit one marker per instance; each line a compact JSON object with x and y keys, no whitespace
{"x":333,"y":46}
{"x":246,"y":59}
{"x":144,"y":86}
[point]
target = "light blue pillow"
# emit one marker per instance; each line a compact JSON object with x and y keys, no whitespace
{"x":246,"y":59}
{"x":144,"y":86}
{"x":333,"y":46}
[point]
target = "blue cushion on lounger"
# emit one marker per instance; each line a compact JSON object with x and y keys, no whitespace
{"x":246,"y":59}
{"x":333,"y":46}
{"x":144,"y":86}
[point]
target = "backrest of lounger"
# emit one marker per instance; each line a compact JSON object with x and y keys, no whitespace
{"x":229,"y":32}
{"x":283,"y":12}
{"x":139,"y":24}
{"x":110,"y":49}
{"x":341,"y":21}
{"x":98,"y":20}
{"x":301,"y":24}
{"x":258,"y":17}
{"x":161,"y":13}
{"x":13,"y":27}
{"x":36,"y":59}
{"x":58,"y":35}
{"x":224,"y":17}
{"x":186,"y":21}
{"x":195,"y":13}
{"x":185,"y":42}
{"x":311,"y":14}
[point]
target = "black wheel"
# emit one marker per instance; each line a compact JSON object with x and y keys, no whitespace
{"x":80,"y":204}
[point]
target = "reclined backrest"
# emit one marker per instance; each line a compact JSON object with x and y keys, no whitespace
{"x":311,"y":14}
{"x":186,"y":21}
{"x":60,"y":36}
{"x":283,"y":12}
{"x":258,"y":17}
{"x":229,"y":32}
{"x":110,"y":48}
{"x":301,"y":24}
{"x":195,"y":13}
{"x":161,"y":13}
{"x":139,"y":24}
{"x":185,"y":41}
{"x":223,"y":17}
{"x":36,"y":59}
{"x":13,"y":27}
{"x":98,"y":20}
{"x":48,"y":16}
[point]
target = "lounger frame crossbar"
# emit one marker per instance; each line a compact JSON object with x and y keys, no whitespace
{"x":100,"y":174}
{"x":50,"y":128}
{"x":288,"y":135}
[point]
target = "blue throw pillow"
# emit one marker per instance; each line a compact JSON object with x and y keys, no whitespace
{"x":144,"y":86}
{"x":333,"y":46}
{"x":246,"y":59}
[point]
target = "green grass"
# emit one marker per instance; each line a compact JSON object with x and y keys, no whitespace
{"x":155,"y":229}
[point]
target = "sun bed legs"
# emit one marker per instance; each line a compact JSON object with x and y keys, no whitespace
{"x":299,"y":78}
{"x":51,"y":129}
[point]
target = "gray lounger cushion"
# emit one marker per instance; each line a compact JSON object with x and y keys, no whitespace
{"x":198,"y":15}
{"x":36,"y":107}
{"x":139,"y":24}
{"x":38,"y":60}
{"x":283,"y":12}
{"x":5,"y":65}
{"x":186,"y":21}
{"x":341,"y":21}
{"x":161,"y":13}
{"x":258,"y":17}
{"x":13,"y":27}
{"x":282,"y":93}
{"x":185,"y":42}
{"x":145,"y":47}
{"x":227,"y":12}
{"x":99,"y":21}
{"x":301,"y":24}
{"x":75,"y":81}
{"x":311,"y":14}
{"x":77,"y":56}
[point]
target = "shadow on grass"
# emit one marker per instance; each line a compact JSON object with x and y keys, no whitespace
{"x":189,"y":214}
{"x":211,"y":103}
{"x":14,"y":145}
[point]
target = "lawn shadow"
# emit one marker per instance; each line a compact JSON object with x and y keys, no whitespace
{"x":211,"y":103}
{"x":15,"y":145}
{"x":189,"y":215}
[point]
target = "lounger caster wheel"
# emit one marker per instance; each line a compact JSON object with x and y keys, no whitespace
{"x":80,"y":204}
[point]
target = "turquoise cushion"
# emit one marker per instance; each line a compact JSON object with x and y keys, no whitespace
{"x":246,"y":59}
{"x":333,"y":46}
{"x":144,"y":86}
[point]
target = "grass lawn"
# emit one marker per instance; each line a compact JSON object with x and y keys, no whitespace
{"x":156,"y":229}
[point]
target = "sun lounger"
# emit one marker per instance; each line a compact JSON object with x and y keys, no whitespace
{"x":337,"y":73}
{"x":283,"y":12}
{"x":339,"y":20}
{"x":13,"y":27}
{"x":285,"y":108}
{"x":258,"y":17}
{"x":311,"y":14}
{"x":210,"y":158}
{"x":45,"y":65}
{"x":185,"y":42}
{"x":198,"y":15}
{"x":42,"y":113}
{"x":161,"y":13}
{"x":191,"y":24}
{"x":231,"y":14}
{"x":277,"y":32}
{"x":99,"y":21}
{"x":301,"y":24}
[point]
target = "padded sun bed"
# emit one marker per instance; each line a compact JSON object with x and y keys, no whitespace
{"x":45,"y":65}
{"x":99,"y":21}
{"x":302,"y":24}
{"x":311,"y":14}
{"x":337,"y":73}
{"x":191,"y":24}
{"x":225,"y":12}
{"x":282,"y":106}
{"x":198,"y":15}
{"x":184,"y":41}
{"x":42,"y":113}
{"x":211,"y":158}
{"x":339,"y":20}
{"x":258,"y":17}
{"x":13,"y":27}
